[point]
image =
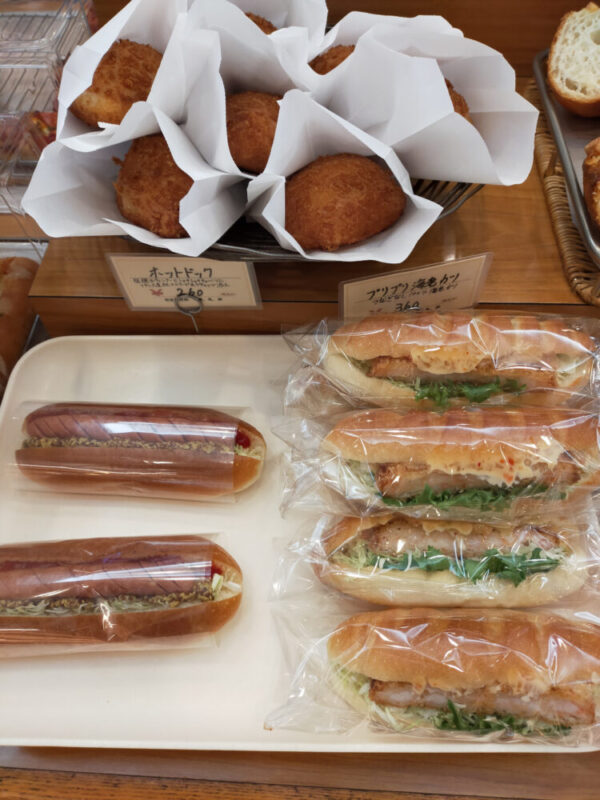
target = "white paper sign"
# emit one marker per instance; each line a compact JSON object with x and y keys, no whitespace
{"x":169,"y":283}
{"x":436,"y":287}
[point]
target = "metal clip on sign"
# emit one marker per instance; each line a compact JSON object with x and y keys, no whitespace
{"x":190,"y":304}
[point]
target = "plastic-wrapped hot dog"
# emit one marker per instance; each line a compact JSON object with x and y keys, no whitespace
{"x":464,"y":460}
{"x":467,"y":673}
{"x":429,"y":360}
{"x":395,"y":560}
{"x":166,"y":451}
{"x":91,"y":591}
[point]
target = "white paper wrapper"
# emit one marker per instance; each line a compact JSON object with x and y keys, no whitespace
{"x":230,"y":65}
{"x":305,"y":131}
{"x":230,"y":15}
{"x":352,"y":28}
{"x":144,"y":21}
{"x":393,"y":86}
{"x":71,"y":193}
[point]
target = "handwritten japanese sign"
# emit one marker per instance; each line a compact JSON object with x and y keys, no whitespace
{"x":169,"y":283}
{"x":445,"y":286}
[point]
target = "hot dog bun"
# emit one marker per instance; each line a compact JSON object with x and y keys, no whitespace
{"x":101,"y":590}
{"x":515,"y":648}
{"x":495,"y":441}
{"x":382,"y":356}
{"x":172,"y":451}
{"x":382,"y":584}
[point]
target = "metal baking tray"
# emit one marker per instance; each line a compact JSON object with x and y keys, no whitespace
{"x":571,"y":134}
{"x":248,"y":241}
{"x":211,"y":698}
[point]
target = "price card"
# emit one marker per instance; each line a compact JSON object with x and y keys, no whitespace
{"x":436,"y":287}
{"x":191,"y":285}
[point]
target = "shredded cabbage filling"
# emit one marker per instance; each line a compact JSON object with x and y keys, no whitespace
{"x":204,"y":591}
{"x":453,"y":718}
{"x":514,"y":566}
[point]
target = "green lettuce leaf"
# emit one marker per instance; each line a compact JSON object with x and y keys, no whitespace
{"x":494,"y":498}
{"x":457,"y":719}
{"x":515,"y":567}
{"x":441,"y":392}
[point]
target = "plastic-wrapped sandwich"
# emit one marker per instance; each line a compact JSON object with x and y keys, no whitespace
{"x":431,"y":360}
{"x":473,"y":460}
{"x":395,"y":560}
{"x":466,"y":672}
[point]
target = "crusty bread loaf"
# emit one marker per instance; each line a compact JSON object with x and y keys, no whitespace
{"x":471,"y":344}
{"x":491,"y":440}
{"x":468,"y":648}
{"x":574,"y":65}
{"x":591,"y":179}
{"x":391,"y":587}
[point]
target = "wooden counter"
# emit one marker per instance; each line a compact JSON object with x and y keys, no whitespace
{"x":75,"y":292}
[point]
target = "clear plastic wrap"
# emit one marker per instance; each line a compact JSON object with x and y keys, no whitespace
{"x":179,"y":452}
{"x":396,"y":560}
{"x":429,"y":360}
{"x":87,"y":204}
{"x":476,"y":463}
{"x":66,"y":596}
{"x":462,"y":675}
{"x":56,"y":26}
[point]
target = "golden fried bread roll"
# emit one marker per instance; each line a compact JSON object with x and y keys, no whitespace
{"x":331,"y":58}
{"x":251,"y":123}
{"x":264,"y":24}
{"x":123,"y":77}
{"x":341,"y":200}
{"x":591,"y":179}
{"x":150,"y":186}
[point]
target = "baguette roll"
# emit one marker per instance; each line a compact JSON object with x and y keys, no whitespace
{"x":431,"y":360}
{"x":166,"y":451}
{"x":573,"y":67}
{"x":484,"y":458}
{"x":469,"y":672}
{"x":394,"y":560}
{"x":115,"y":590}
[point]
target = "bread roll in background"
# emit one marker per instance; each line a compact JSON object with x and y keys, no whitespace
{"x":591,"y":179}
{"x":574,"y":64}
{"x":16,"y":314}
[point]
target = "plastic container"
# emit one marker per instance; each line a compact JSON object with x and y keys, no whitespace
{"x":55,"y":26}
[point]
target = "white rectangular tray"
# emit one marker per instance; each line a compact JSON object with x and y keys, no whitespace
{"x":210,"y":698}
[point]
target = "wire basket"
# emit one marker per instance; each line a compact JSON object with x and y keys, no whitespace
{"x":248,"y":241}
